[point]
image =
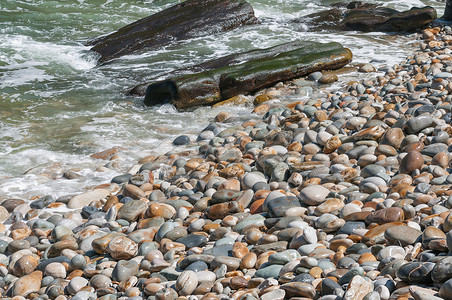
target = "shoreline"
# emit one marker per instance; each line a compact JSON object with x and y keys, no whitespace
{"x":313,"y":199}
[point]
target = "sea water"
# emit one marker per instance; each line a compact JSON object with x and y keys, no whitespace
{"x":57,"y":106}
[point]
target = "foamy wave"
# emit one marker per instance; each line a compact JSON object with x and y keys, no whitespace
{"x":29,"y":51}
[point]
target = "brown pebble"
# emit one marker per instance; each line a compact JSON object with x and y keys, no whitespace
{"x":222,"y":116}
{"x":239,"y":250}
{"x":440,"y":159}
{"x":248,"y":261}
{"x":132,"y":191}
{"x":238,"y":282}
{"x":412,"y":161}
{"x":386,"y":215}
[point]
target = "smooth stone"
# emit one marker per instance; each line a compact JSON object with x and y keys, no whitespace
{"x":11,"y":204}
{"x":186,"y":283}
{"x":204,"y":276}
{"x":332,"y":206}
{"x":87,"y":244}
{"x":221,"y":250}
{"x":310,"y":235}
{"x":277,"y":207}
{"x":164,"y":229}
{"x":393,"y":137}
{"x":197,"y":266}
{"x":412,"y":161}
{"x":78,"y":262}
{"x":224,"y":196}
{"x":124,"y":270}
{"x":27,"y":284}
{"x":386,"y":215}
{"x":18,"y":245}
{"x":419,"y":123}
{"x":184,"y":263}
{"x":56,"y":270}
{"x":25,"y":265}
{"x":100,"y":244}
{"x":442,"y":75}
{"x":299,"y":289}
{"x":347,"y":277}
{"x":442,"y":271}
{"x":170,"y":273}
{"x":284,"y":257}
{"x":274,"y":295}
{"x":449,"y":240}
{"x":358,"y":288}
{"x":391,"y":251}
{"x":61,"y":231}
{"x":329,"y":287}
{"x":276,"y":246}
{"x":314,"y":194}
{"x":121,"y":247}
{"x":328,"y":78}
{"x":132,"y":191}
{"x":305,"y":250}
{"x":193,"y":240}
{"x":76,"y":284}
{"x":433,"y":149}
{"x":232,"y":263}
{"x":257,"y":220}
{"x":85,"y":199}
{"x":250,"y":179}
{"x":372,"y":170}
{"x":271,"y":271}
{"x":179,"y":232}
{"x":131,"y":210}
{"x":416,"y":272}
{"x":4,"y":214}
{"x":100,"y":281}
{"x":181,"y":140}
{"x":351,"y":227}
{"x":245,"y":199}
{"x":445,"y":291}
{"x":422,"y":295}
{"x":270,"y":197}
{"x":392,"y":267}
{"x":404,"y":235}
{"x":44,"y":225}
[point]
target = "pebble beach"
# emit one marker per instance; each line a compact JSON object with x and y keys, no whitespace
{"x":344,"y":195}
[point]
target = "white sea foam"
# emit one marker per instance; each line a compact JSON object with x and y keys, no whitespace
{"x":29,"y":53}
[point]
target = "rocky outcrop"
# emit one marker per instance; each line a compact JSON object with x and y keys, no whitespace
{"x":225,"y":61}
{"x":367,"y":17}
{"x":260,"y":71}
{"x":189,"y":19}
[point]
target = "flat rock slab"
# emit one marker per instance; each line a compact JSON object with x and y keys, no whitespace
{"x":189,"y":19}
{"x":210,"y":87}
{"x":367,"y":17}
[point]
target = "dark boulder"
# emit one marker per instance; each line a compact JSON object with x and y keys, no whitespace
{"x":225,"y":61}
{"x":210,"y":87}
{"x":388,"y":20}
{"x":367,"y":17}
{"x":189,"y":19}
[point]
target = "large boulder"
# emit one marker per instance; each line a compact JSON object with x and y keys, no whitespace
{"x":189,"y":19}
{"x":225,"y":61}
{"x":210,"y":87}
{"x":388,"y":20}
{"x":367,"y":17}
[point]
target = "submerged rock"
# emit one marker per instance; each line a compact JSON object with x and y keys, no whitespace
{"x":362,"y":16}
{"x":210,"y":87}
{"x":189,"y":19}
